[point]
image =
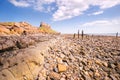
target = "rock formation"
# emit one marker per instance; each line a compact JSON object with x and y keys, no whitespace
{"x":45,"y":28}
{"x":26,"y":62}
{"x":17,"y":28}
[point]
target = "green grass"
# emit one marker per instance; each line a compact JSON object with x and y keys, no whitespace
{"x":47,"y":30}
{"x":7,"y":23}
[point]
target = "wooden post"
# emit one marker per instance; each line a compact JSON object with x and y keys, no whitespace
{"x":82,"y":34}
{"x":117,"y":35}
{"x":78,"y":34}
{"x":74,"y":36}
{"x":116,"y":40}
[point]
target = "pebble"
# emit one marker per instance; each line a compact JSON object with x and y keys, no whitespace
{"x":54,"y":76}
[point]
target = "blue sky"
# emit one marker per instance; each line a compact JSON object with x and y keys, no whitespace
{"x":65,"y":16}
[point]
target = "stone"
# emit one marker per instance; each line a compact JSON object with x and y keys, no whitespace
{"x":113,"y":77}
{"x":98,"y":62}
{"x":62,"y":67}
{"x":62,"y":55}
{"x":55,"y":69}
{"x":59,"y":60}
{"x":96,"y":74}
{"x":62,"y":79}
{"x":43,"y":72}
{"x":106,"y":78}
{"x":47,"y":65}
{"x":105,"y":64}
{"x":54,"y":76}
{"x":24,"y":64}
{"x":118,"y":66}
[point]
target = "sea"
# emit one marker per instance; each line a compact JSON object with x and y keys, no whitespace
{"x":104,"y":34}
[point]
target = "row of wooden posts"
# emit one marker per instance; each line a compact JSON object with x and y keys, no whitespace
{"x":82,"y":34}
{"x":78,"y":34}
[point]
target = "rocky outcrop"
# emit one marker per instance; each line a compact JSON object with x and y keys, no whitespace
{"x":18,"y":28}
{"x":24,"y":64}
{"x":9,"y":43}
{"x":45,"y":28}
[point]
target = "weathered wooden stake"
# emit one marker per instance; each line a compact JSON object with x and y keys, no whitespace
{"x":117,"y":35}
{"x":82,"y":34}
{"x":78,"y":34}
{"x":116,"y":40}
{"x":74,"y":35}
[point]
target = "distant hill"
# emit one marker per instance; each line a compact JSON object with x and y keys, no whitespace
{"x":18,"y":28}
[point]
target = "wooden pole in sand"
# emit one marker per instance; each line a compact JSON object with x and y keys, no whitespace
{"x":73,"y":35}
{"x":82,"y":34}
{"x":78,"y":34}
{"x":116,"y":40}
{"x":117,"y":35}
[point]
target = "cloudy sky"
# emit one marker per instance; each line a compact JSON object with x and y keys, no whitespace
{"x":66,"y":16}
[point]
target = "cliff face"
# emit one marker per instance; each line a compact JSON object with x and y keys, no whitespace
{"x":17,"y":28}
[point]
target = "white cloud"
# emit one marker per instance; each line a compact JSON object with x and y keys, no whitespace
{"x":71,"y":8}
{"x":35,"y":4}
{"x":108,"y":3}
{"x":96,"y":13}
{"x":20,"y":3}
{"x":66,"y":9}
{"x":43,"y":5}
{"x":102,"y":26}
{"x":103,"y":4}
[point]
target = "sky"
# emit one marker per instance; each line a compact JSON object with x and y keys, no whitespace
{"x":65,"y":16}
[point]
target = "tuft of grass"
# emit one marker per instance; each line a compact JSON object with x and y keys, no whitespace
{"x":7,"y":23}
{"x":47,"y":30}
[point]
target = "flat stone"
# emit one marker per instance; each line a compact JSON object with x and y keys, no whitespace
{"x":62,"y":67}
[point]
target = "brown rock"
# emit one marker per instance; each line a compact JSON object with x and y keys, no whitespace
{"x":54,"y":76}
{"x":98,"y":62}
{"x":96,"y":74}
{"x":62,"y":67}
{"x":105,"y":64}
{"x":59,"y":60}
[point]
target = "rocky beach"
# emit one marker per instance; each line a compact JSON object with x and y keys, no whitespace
{"x":59,"y":57}
{"x":59,"y":39}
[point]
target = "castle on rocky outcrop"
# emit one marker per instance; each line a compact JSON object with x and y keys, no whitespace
{"x":46,"y":28}
{"x":17,"y":28}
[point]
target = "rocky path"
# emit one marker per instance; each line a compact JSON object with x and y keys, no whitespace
{"x":61,"y":58}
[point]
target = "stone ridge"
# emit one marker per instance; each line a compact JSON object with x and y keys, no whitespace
{"x":19,"y":28}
